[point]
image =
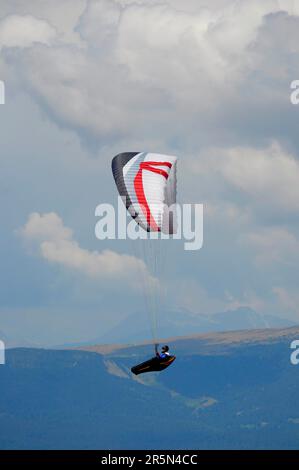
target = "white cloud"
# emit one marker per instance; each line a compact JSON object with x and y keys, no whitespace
{"x":63,"y":15}
{"x":268,"y":176}
{"x":248,"y":298}
{"x":126,"y":68}
{"x":288,"y":299}
{"x":99,"y":22}
{"x":25,"y":31}
{"x":57,"y":245}
{"x":274,"y":245}
{"x":40,"y":227}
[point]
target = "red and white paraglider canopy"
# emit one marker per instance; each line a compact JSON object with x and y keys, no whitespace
{"x":147,"y":181}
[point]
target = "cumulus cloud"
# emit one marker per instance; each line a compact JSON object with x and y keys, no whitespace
{"x":274,"y":245}
{"x":268,"y":177}
{"x":40,"y":227}
{"x":25,"y":31}
{"x":56,"y":244}
{"x":99,"y":22}
{"x":163,"y":69}
{"x":63,"y":15}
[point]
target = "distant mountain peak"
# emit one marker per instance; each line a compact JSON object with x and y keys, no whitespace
{"x":136,"y":328}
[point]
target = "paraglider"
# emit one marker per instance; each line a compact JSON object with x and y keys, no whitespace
{"x":147,"y":184}
{"x":156,"y":364}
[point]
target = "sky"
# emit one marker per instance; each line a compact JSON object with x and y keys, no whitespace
{"x":208,"y":81}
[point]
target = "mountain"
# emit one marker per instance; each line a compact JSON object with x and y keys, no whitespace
{"x":136,"y":327}
{"x":230,"y":390}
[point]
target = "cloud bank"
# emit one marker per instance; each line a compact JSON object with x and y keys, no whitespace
{"x":56,"y":244}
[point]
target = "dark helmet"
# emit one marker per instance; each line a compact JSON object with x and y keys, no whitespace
{"x":165,"y":348}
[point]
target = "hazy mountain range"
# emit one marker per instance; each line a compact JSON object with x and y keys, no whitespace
{"x":136,"y":327}
{"x":225,"y":390}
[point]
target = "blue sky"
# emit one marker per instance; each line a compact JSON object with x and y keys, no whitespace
{"x":207,"y":81}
